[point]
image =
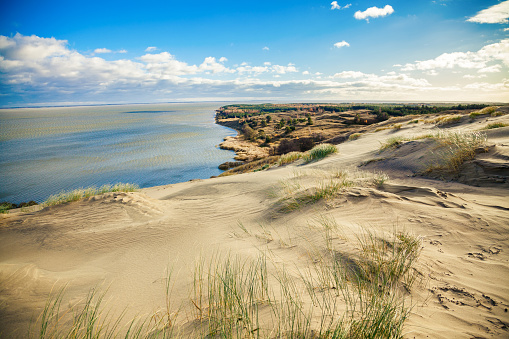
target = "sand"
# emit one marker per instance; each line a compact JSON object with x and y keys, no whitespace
{"x":124,"y":243}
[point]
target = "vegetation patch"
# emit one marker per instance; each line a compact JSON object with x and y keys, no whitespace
{"x":289,"y":158}
{"x":391,"y":143}
{"x":335,"y":296}
{"x":252,"y":166}
{"x":82,"y":193}
{"x":319,"y":152}
{"x":354,"y":136}
{"x":444,"y":120}
{"x":295,"y":193}
{"x":458,"y":147}
{"x":496,"y":125}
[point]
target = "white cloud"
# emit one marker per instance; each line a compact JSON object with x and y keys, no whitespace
{"x":469,"y":76}
{"x":341,"y":44}
{"x":265,"y":48}
{"x":305,"y":73}
{"x":284,"y":69}
{"x":374,"y":12}
{"x":102,"y":50}
{"x":485,"y":86}
{"x":151,"y":49}
{"x":122,"y":51}
{"x":210,"y":64}
{"x":497,"y":14}
{"x":490,"y":69}
{"x":335,"y":5}
{"x":350,"y":75}
{"x":470,"y":60}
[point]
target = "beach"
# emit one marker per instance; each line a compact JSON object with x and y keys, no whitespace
{"x":143,"y":251}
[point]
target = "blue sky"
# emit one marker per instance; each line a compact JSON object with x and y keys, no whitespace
{"x":64,"y":52}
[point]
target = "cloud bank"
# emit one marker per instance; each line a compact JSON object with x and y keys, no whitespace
{"x":497,"y":14}
{"x":43,"y":70}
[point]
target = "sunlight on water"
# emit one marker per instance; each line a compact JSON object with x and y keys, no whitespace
{"x":47,"y":150}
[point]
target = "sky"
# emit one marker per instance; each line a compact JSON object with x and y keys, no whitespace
{"x":107,"y":52}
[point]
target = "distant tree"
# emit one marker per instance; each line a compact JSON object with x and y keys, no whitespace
{"x":268,"y":118}
{"x":310,"y":121}
{"x":249,"y":133}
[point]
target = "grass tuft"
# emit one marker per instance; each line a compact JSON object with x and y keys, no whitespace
{"x":289,"y":158}
{"x":319,"y":152}
{"x":82,"y":193}
{"x":354,"y":136}
{"x":458,"y":147}
{"x":391,"y":143}
{"x":496,"y":125}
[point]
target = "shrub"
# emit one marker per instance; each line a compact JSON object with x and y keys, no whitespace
{"x":249,"y":133}
{"x":295,"y":145}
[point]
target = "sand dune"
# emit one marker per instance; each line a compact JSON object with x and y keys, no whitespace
{"x":124,"y":243}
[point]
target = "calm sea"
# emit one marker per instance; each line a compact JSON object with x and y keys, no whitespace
{"x":48,"y":150}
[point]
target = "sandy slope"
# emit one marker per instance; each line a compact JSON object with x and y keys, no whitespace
{"x":125,"y":242}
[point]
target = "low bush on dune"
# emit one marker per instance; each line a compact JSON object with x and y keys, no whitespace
{"x":82,"y":193}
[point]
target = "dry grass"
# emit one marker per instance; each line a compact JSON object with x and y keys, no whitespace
{"x":495,"y":125}
{"x":252,"y":166}
{"x":354,"y":136}
{"x":294,"y":193}
{"x":289,"y":158}
{"x":82,"y":193}
{"x":444,"y":120}
{"x":392,"y":143}
{"x":457,"y":147}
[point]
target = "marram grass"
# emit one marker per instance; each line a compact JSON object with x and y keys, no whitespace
{"x":259,"y":297}
{"x":82,"y":193}
{"x":319,"y":152}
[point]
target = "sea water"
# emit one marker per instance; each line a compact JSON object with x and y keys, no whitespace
{"x":52,"y":149}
